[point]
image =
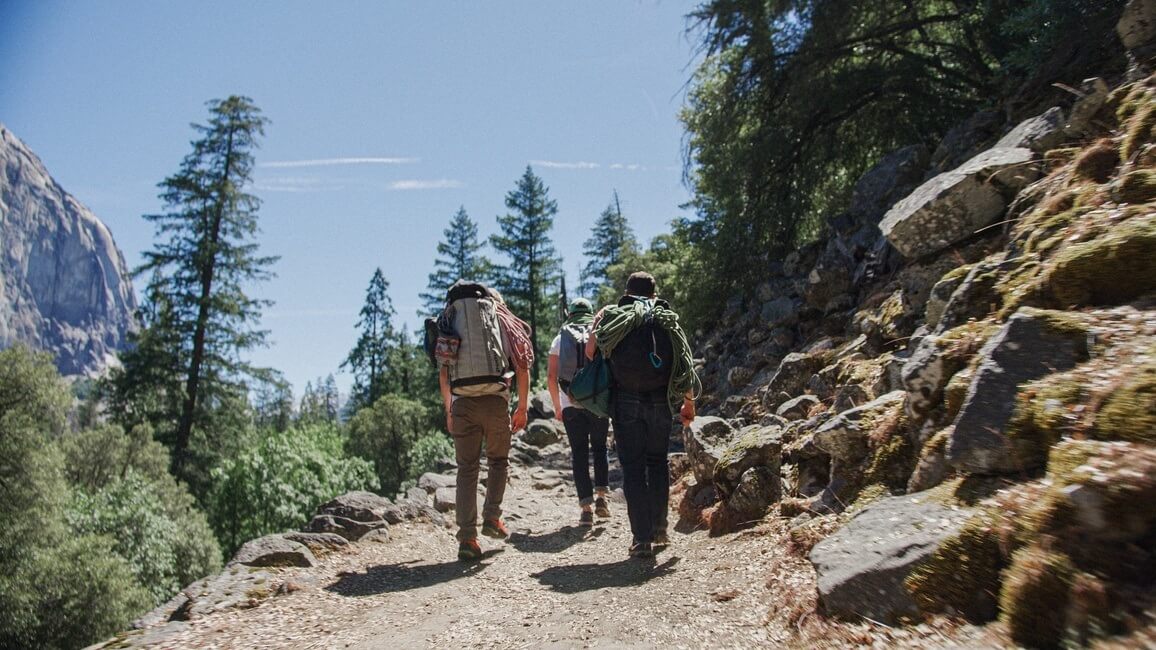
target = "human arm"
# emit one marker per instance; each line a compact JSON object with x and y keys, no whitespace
{"x":592,"y":341}
{"x":447,"y":397}
{"x":552,"y":384}
{"x":522,"y":377}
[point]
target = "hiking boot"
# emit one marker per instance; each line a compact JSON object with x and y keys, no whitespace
{"x":468,"y":551}
{"x":601,"y":507}
{"x":586,"y":519}
{"x":661,"y":538}
{"x":495,"y":528}
{"x":641,"y":550}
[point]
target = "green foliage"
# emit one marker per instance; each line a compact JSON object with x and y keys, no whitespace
{"x":184,"y":374}
{"x":386,"y":433}
{"x":57,"y":589}
{"x":425,"y":453}
{"x":370,"y":358}
{"x":458,"y":259}
{"x":277,"y":482}
{"x":528,"y":281}
{"x":122,"y":488}
{"x":678,"y":273}
{"x":611,"y":242}
{"x":273,"y":403}
{"x":320,"y":405}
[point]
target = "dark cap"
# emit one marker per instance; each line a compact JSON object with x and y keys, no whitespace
{"x":641,"y":283}
{"x":580,"y":306}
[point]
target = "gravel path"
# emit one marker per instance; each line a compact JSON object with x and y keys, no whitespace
{"x":550,"y":585}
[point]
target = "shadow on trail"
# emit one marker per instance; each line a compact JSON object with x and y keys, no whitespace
{"x":586,"y":577}
{"x":553,"y":542}
{"x":405,"y":576}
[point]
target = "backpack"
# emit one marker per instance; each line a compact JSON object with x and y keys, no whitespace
{"x":571,"y":352}
{"x":470,"y":342}
{"x":642,"y":362}
{"x":590,"y":386}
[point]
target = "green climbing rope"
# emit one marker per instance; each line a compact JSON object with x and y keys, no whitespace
{"x":618,"y":321}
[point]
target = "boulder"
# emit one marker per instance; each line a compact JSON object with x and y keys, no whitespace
{"x":954,"y":205}
{"x":1032,"y":344}
{"x":543,"y":433}
{"x":780,"y":312}
{"x":756,"y":490}
{"x":541,"y":406}
{"x":739,"y":376}
{"x":430,"y":482}
{"x":706,"y":439}
{"x":233,"y":588}
{"x":797,"y":408}
{"x":446,"y":499}
{"x":679,"y":464}
{"x":974,"y":298}
{"x":408,"y":510}
{"x":966,"y":139}
{"x":861,"y":568}
{"x":891,"y":179}
{"x":849,"y":396}
{"x":1039,"y":133}
{"x":358,"y":506}
{"x":318,"y":542}
{"x":926,"y":374}
{"x":274,"y":550}
{"x":417,"y":494}
{"x":1137,"y":25}
{"x":755,"y":446}
{"x":791,"y":378}
{"x":844,"y":437}
{"x":348,"y":528}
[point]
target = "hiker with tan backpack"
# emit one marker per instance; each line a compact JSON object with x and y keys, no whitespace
{"x":652,"y":376}
{"x":585,"y":430}
{"x":479,"y":345}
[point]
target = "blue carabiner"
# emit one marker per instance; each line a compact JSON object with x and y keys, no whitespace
{"x":655,"y":360}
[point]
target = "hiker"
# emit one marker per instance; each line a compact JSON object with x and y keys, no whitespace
{"x":653,"y":372}
{"x":479,"y":343}
{"x":585,"y":430}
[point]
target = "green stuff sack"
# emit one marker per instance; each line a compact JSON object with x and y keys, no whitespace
{"x":590,"y":386}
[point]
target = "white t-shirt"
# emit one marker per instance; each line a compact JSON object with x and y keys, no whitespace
{"x":555,"y":348}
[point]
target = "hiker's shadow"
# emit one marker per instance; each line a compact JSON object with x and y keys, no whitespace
{"x":405,"y":576}
{"x":576,"y":578}
{"x":552,"y":542}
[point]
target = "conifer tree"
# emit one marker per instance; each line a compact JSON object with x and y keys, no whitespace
{"x":202,"y":318}
{"x":528,"y":281}
{"x":610,"y":243}
{"x":369,"y":360}
{"x":458,"y":259}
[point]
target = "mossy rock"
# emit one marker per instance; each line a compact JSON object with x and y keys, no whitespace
{"x":1129,"y":413}
{"x":1066,"y":456}
{"x":1111,"y":269}
{"x":1138,"y":129}
{"x":892,"y":461}
{"x":1097,"y":162}
{"x":1138,"y":186}
{"x":1035,"y":596}
{"x":1043,"y":415}
{"x":963,"y":575}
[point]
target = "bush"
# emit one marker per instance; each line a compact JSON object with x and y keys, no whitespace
{"x":278,"y":481}
{"x":424,"y":455}
{"x":385,"y":433}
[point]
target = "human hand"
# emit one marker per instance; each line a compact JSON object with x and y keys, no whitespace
{"x":686,"y":413}
{"x":558,"y":414}
{"x":519,"y":421}
{"x":449,"y":422}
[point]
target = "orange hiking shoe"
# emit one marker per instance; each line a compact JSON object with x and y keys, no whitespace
{"x":468,"y":551}
{"x":495,"y":528}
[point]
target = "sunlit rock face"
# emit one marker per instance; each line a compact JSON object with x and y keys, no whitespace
{"x":64,"y":285}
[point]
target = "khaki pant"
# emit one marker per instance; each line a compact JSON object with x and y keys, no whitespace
{"x":480,"y":423}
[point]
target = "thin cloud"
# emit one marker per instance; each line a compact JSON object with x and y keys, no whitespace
{"x":439,"y":184}
{"x":295,"y":184}
{"x":329,"y":162}
{"x":565,"y":165}
{"x":628,"y":167}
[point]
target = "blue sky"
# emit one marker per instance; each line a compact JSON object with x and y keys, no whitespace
{"x":386,"y":117}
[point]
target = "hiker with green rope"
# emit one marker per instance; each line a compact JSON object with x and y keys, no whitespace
{"x":585,"y":430}
{"x":650,"y":361}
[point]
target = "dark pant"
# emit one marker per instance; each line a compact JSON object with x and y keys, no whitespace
{"x":642,"y":427}
{"x":587,"y":434}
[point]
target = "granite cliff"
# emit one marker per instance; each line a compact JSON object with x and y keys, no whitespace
{"x":64,"y":285}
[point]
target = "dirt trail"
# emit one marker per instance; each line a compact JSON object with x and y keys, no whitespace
{"x":552,"y":584}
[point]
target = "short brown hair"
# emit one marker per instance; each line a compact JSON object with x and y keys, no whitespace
{"x":641,"y":283}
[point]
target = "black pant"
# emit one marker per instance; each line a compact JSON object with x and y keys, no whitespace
{"x":587,"y":434}
{"x":642,"y":426}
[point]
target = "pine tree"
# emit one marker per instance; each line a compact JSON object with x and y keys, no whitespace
{"x":528,"y":281}
{"x":610,"y":243}
{"x":202,"y":319}
{"x":458,"y":259}
{"x":369,"y":360}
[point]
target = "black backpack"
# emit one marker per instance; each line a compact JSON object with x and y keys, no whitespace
{"x":641,"y":363}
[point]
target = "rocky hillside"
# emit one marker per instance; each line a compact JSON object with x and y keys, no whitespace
{"x":953,"y":396}
{"x":64,"y":286}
